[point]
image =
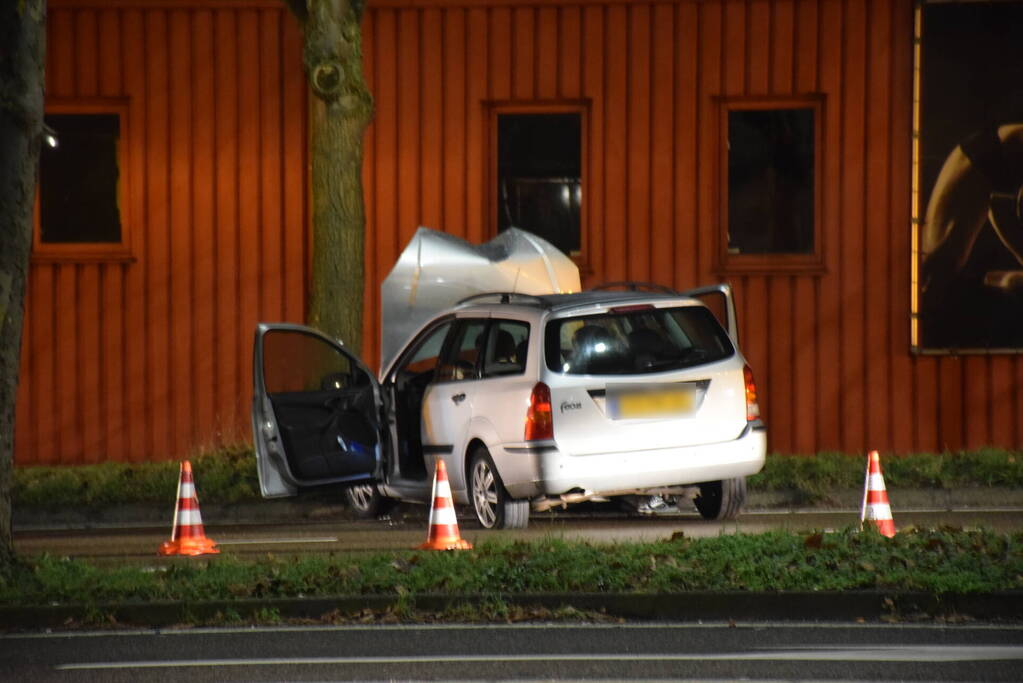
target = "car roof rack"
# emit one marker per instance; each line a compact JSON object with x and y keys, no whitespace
{"x":502,"y":297}
{"x":634,"y":286}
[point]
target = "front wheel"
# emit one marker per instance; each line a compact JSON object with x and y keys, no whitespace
{"x":366,"y":501}
{"x":721,"y":500}
{"x":490,"y":501}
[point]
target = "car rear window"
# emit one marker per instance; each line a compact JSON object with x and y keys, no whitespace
{"x":636,"y":341}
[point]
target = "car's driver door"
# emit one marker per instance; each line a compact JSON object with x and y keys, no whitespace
{"x":315,"y":411}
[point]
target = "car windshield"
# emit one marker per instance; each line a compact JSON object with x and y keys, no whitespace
{"x":635,"y":340}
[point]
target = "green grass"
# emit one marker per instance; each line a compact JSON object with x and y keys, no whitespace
{"x":936,"y":561}
{"x":228,"y":475}
{"x":811,"y":478}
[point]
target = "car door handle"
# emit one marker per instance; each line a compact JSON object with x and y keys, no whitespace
{"x":458,"y":398}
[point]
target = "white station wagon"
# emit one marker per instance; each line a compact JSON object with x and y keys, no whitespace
{"x":533,"y":401}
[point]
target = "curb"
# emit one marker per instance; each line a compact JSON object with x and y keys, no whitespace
{"x":853,"y":606}
{"x":906,"y":500}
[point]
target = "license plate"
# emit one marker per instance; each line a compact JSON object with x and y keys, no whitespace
{"x":650,"y":403}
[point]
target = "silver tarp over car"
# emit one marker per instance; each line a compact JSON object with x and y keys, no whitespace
{"x":436,"y":270}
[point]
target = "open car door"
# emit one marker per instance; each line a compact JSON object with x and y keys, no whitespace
{"x":315,"y":412}
{"x":719,"y":299}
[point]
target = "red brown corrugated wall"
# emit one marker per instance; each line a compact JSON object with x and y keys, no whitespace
{"x":149,"y":359}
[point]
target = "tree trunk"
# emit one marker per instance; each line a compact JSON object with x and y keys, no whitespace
{"x":341,"y":111}
{"x":22,"y":61}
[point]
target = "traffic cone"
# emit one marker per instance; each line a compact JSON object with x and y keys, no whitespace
{"x":187,"y":535}
{"x":875,"y":498}
{"x":443,"y":534}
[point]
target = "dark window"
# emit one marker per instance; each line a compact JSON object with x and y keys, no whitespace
{"x":464,"y":352}
{"x":771,"y":181}
{"x":506,"y":348}
{"x":78,"y":180}
{"x":539,"y":176}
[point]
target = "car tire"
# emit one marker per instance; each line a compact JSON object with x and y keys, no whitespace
{"x":366,"y":501}
{"x":494,"y":508}
{"x":721,"y":500}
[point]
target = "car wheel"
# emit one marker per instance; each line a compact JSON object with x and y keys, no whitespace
{"x":720,"y":500}
{"x":490,"y":501}
{"x":366,"y":501}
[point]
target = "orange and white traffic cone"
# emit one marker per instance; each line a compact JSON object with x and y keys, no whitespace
{"x":187,"y":534}
{"x":876,"y":508}
{"x":443,"y":534}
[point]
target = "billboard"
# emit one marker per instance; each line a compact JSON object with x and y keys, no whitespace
{"x":968,"y":184}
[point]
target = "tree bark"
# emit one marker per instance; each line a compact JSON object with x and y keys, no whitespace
{"x":341,"y":111}
{"x":22,"y":63}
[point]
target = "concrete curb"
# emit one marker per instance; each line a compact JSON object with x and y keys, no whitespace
{"x":870,"y":606}
{"x":326,"y":510}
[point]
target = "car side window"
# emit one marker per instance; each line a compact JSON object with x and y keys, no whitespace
{"x":427,"y":354}
{"x":299,"y":362}
{"x":464,"y":352}
{"x":507,"y":345}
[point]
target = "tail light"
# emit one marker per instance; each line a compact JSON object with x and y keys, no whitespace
{"x":539,"y":417}
{"x":752,"y":407}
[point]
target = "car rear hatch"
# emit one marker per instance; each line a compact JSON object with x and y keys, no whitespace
{"x":643,"y":377}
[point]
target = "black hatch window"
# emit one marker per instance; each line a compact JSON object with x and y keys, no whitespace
{"x":635,"y":340}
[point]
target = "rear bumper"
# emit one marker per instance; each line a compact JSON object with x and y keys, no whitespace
{"x":546,"y":470}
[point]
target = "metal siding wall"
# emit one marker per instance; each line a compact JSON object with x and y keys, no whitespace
{"x":152,"y":359}
{"x":831,"y":351}
{"x":218,"y":120}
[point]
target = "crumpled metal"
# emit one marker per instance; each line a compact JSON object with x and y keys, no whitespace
{"x":436,"y":270}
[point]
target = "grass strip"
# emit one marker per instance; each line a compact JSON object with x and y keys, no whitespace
{"x":228,"y":475}
{"x":941,"y":561}
{"x":811,"y":478}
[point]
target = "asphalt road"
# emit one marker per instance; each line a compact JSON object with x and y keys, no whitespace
{"x":346,"y":536}
{"x":722,"y":651}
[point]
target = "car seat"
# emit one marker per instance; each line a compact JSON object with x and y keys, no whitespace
{"x":503,"y":360}
{"x":646,"y":347}
{"x":595,"y":351}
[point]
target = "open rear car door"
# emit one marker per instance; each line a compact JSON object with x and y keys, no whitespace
{"x":315,"y":412}
{"x":718,"y":298}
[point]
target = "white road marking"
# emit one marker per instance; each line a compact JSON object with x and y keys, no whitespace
{"x":762,"y":625}
{"x":849,"y":511}
{"x":915,"y":653}
{"x":271,"y":541}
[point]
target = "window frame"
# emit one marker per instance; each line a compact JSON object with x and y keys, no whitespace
{"x":497,"y":108}
{"x":808,"y":263}
{"x":90,"y":252}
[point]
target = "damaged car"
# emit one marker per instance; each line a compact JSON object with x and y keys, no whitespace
{"x":535,"y":394}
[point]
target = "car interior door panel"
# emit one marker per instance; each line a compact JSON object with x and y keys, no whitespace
{"x":324,"y":405}
{"x":327,"y":434}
